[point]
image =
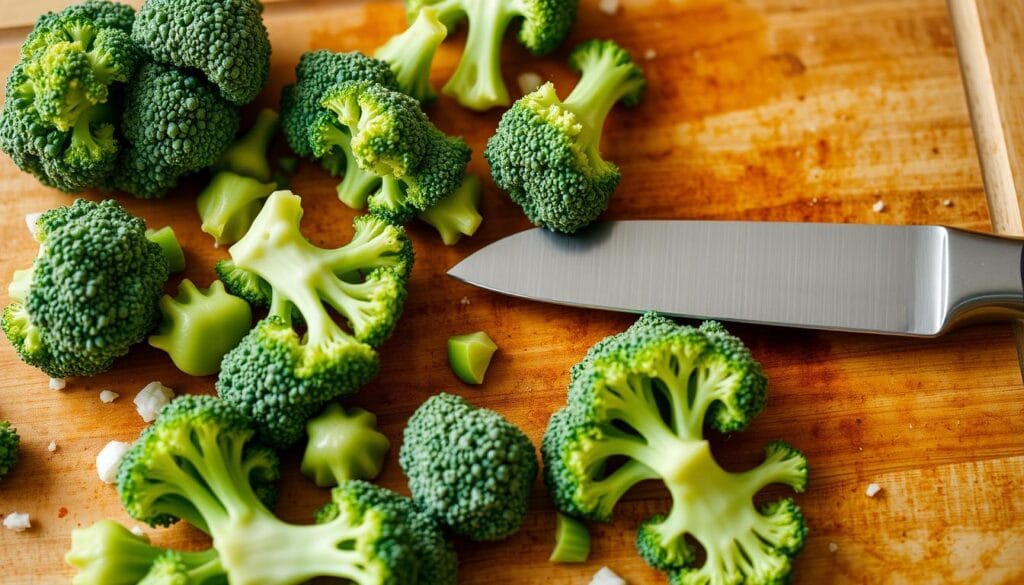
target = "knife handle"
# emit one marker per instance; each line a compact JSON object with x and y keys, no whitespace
{"x":983,"y":279}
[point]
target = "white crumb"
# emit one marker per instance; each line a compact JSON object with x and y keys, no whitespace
{"x":873,"y":490}
{"x":650,"y":54}
{"x":30,"y":221}
{"x":17,"y":522}
{"x":833,"y":547}
{"x":609,"y":7}
{"x":151,"y":399}
{"x":57,"y":383}
{"x":137,"y":531}
{"x":878,"y":207}
{"x":529,"y":82}
{"x":108,"y":396}
{"x":52,"y":446}
{"x":947,"y":203}
{"x":109,"y":458}
{"x":464,"y":301}
{"x":607,"y":576}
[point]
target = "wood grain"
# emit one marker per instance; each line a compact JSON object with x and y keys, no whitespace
{"x":764,"y":109}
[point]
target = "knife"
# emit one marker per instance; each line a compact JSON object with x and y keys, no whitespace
{"x":898,"y":280}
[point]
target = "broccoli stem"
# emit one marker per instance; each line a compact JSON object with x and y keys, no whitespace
{"x":247,"y":156}
{"x":358,"y":184}
{"x":229,"y":204}
{"x":572,"y":541}
{"x":168,"y":242}
{"x":456,"y":215}
{"x":411,"y":53}
{"x":477,"y":82}
{"x":389,"y":201}
{"x":83,"y":136}
{"x":610,"y":489}
{"x":603,"y":83}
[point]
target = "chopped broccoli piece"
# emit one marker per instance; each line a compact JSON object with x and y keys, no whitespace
{"x":477,"y":82}
{"x":278,"y":377}
{"x":247,"y":156}
{"x":469,"y":356}
{"x":457,"y":214}
{"x":9,"y":445}
{"x":411,"y":53}
{"x":199,"y":326}
{"x":196,"y":462}
{"x":572,"y":541}
{"x":343,"y":445}
{"x":469,"y":468}
{"x":103,"y":13}
{"x":90,"y":294}
{"x":229,"y":204}
{"x":637,"y":406}
{"x":225,"y":39}
{"x":546,"y":153}
{"x":168,"y":242}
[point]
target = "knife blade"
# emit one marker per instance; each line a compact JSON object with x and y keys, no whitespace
{"x":900,"y":280}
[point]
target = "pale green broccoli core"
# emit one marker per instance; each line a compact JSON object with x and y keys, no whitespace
{"x":469,"y":356}
{"x":168,"y":242}
{"x":343,"y":445}
{"x":572,"y":541}
{"x":410,"y":54}
{"x":229,"y":204}
{"x":357,"y":185}
{"x":477,"y":82}
{"x":247,"y":156}
{"x":456,"y":215}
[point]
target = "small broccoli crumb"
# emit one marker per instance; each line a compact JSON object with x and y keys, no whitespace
{"x":17,"y":522}
{"x":878,"y":207}
{"x":529,"y":82}
{"x":108,"y":396}
{"x":650,"y":54}
{"x":609,"y":7}
{"x":57,"y":383}
{"x":947,"y":203}
{"x":873,"y":490}
{"x":151,"y":399}
{"x":108,"y":459}
{"x":607,"y":577}
{"x":464,"y":301}
{"x":30,"y":221}
{"x":833,"y":547}
{"x":137,"y":531}
{"x":52,"y":446}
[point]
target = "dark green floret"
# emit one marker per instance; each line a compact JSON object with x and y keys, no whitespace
{"x":637,"y":407}
{"x":225,"y":39}
{"x":9,"y":445}
{"x":197,"y":462}
{"x":279,"y":376}
{"x":103,"y":13}
{"x":90,"y":294}
{"x":546,"y":153}
{"x":469,"y":468}
{"x":477,"y":83}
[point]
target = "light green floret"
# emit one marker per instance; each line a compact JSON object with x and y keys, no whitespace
{"x":247,"y":156}
{"x":343,"y":445}
{"x":458,"y":214}
{"x":197,"y":462}
{"x":9,"y":444}
{"x":168,"y":242}
{"x":107,"y":553}
{"x":641,"y":399}
{"x":229,"y":204}
{"x":201,"y":325}
{"x":572,"y":541}
{"x":477,"y":82}
{"x":411,"y":53}
{"x":469,"y":468}
{"x":469,"y":356}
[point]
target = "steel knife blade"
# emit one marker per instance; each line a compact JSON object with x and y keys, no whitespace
{"x":900,"y":280}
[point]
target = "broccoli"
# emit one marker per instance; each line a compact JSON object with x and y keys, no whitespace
{"x":279,"y":377}
{"x":107,"y":553}
{"x":636,"y":409}
{"x":411,"y":53}
{"x":168,"y":242}
{"x":572,"y":541}
{"x":174,"y":124}
{"x":247,"y":156}
{"x":546,"y":153}
{"x":438,"y":562}
{"x":457,"y":214}
{"x":477,"y":82}
{"x":199,"y":326}
{"x":387,"y":134}
{"x":469,"y":356}
{"x":103,"y":13}
{"x":469,"y":468}
{"x":90,"y":294}
{"x":343,"y":445}
{"x":9,"y":444}
{"x":225,"y":39}
{"x":196,"y":462}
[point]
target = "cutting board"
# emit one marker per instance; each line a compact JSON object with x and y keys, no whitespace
{"x":809,"y":110}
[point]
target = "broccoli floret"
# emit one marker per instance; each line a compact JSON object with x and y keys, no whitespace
{"x":469,"y":468}
{"x":279,"y":377}
{"x":390,"y":136}
{"x":457,"y":214}
{"x":107,"y":553}
{"x":411,"y":53}
{"x":637,"y":406}
{"x":9,"y":445}
{"x":199,"y":326}
{"x":247,"y":156}
{"x":103,"y":13}
{"x":343,"y":445}
{"x":225,"y":39}
{"x":477,"y":82}
{"x":194,"y":463}
{"x":546,"y":152}
{"x":438,"y":562}
{"x":174,"y":123}
{"x":229,"y":204}
{"x":90,"y":294}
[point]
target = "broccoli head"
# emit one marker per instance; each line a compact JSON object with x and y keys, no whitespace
{"x":197,"y":462}
{"x":477,"y":82}
{"x":103,"y":13}
{"x":343,"y":445}
{"x":90,"y":294}
{"x":637,"y":406}
{"x":9,"y":445}
{"x":282,"y":378}
{"x":411,"y":53}
{"x":225,"y":39}
{"x":546,"y":152}
{"x":469,"y":468}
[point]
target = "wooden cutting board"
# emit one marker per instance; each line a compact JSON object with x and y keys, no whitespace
{"x":810,"y":110}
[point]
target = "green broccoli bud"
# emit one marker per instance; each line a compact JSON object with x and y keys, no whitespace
{"x":572,"y":541}
{"x":9,"y":445}
{"x":247,"y":156}
{"x":411,"y":53}
{"x":201,"y":325}
{"x":457,"y":214}
{"x":229,"y":204}
{"x":168,"y":242}
{"x":469,"y":356}
{"x":343,"y":445}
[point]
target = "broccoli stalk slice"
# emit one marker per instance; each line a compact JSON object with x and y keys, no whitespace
{"x":247,"y":156}
{"x":343,"y":445}
{"x":572,"y":541}
{"x":456,"y":215}
{"x":229,"y":204}
{"x":477,"y":82}
{"x":470,"y":355}
{"x":411,"y":53}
